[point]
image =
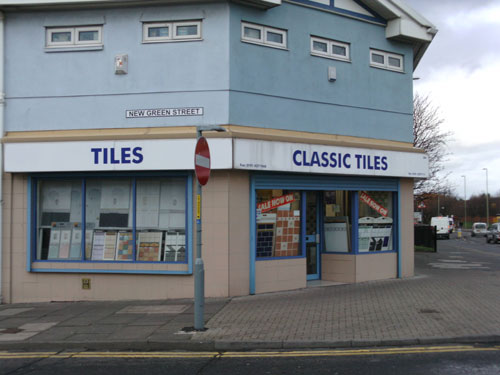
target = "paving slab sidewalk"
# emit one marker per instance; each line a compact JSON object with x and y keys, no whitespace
{"x":436,"y":306}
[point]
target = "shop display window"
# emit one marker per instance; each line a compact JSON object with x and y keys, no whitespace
{"x":278,"y":223}
{"x":125,"y":219}
{"x":337,"y":221}
{"x":375,"y":222}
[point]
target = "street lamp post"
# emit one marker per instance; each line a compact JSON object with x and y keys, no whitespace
{"x":487,"y":203}
{"x":465,"y":201}
{"x":199,"y":267}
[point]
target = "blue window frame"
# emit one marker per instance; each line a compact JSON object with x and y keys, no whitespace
{"x":354,"y":185}
{"x":279,"y":224}
{"x":113,"y":218}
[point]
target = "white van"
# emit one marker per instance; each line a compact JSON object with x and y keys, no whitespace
{"x":479,"y":229}
{"x":442,"y":225}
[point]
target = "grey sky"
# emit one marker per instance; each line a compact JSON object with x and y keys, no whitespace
{"x":461,"y":74}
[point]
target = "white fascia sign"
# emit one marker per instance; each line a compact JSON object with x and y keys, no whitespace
{"x":225,"y":153}
{"x":157,"y":154}
{"x":309,"y":158}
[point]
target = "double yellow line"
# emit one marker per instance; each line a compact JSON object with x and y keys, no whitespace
{"x":260,"y":354}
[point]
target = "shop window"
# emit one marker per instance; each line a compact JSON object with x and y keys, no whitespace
{"x":375,"y":225}
{"x":278,"y":223}
{"x":124,"y":219}
{"x":337,"y":221}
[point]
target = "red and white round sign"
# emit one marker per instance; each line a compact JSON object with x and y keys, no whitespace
{"x":202,"y":161}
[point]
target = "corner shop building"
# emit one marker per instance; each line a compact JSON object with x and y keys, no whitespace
{"x":312,"y":181}
{"x":276,"y":213}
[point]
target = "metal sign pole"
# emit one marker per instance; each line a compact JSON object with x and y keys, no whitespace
{"x":199,"y":270}
{"x":199,"y":267}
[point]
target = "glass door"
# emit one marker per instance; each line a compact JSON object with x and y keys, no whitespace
{"x":312,"y":234}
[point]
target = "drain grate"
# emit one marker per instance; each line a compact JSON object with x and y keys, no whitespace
{"x":192,"y":330}
{"x":157,"y":309}
{"x":11,"y":330}
{"x":428,"y":311}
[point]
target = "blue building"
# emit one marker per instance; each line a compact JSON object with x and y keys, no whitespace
{"x":311,"y":179}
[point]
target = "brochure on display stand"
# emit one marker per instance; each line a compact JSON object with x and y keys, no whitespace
{"x":76,"y":244}
{"x":375,"y":234}
{"x":54,"y":243}
{"x":98,"y":245}
{"x":124,"y":250}
{"x":337,"y":235}
{"x":148,"y":246}
{"x":65,"y":243}
{"x":110,"y":245}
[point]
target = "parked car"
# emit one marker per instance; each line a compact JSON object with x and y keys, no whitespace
{"x":479,"y":229}
{"x":493,"y":233}
{"x":442,"y":225}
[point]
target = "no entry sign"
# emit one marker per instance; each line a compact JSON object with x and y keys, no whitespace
{"x":202,"y":161}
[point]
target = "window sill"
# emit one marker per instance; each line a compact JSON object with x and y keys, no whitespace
{"x":74,"y":49}
{"x":359,"y":252}
{"x":386,"y":68}
{"x":265,"y":45}
{"x":331,"y":57}
{"x":110,"y":267}
{"x":279,"y":258}
{"x":172,"y":40}
{"x":111,"y":261}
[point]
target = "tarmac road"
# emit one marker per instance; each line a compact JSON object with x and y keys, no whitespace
{"x":465,"y":253}
{"x":442,"y":360}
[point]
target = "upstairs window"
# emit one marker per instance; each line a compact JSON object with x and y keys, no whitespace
{"x":264,"y":35}
{"x":154,"y":32}
{"x":85,"y":36}
{"x":330,"y":49}
{"x":386,"y":60}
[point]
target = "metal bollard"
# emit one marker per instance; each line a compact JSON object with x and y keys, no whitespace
{"x":459,"y":233}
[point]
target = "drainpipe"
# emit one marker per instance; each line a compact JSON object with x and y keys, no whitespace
{"x":2,"y":109}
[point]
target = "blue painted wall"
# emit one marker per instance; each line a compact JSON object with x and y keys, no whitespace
{"x":236,"y":82}
{"x":75,"y":90}
{"x":289,"y":89}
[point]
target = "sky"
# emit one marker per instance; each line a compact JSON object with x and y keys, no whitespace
{"x":460,"y":73}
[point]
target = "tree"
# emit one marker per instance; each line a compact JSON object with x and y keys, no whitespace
{"x":430,"y":137}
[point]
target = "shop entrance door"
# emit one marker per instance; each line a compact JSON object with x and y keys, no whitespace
{"x":312,"y":235}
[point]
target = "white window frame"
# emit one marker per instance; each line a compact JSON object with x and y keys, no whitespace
{"x":275,"y":31}
{"x":263,"y":35}
{"x":50,"y":31}
{"x":74,"y":42}
{"x":172,"y":34}
{"x":88,"y":42}
{"x":187,"y":23}
{"x":147,"y":25}
{"x":329,"y":52}
{"x":386,"y":65}
{"x":251,"y":26}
